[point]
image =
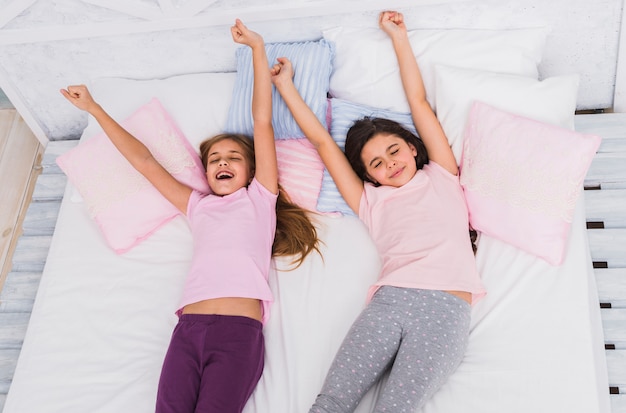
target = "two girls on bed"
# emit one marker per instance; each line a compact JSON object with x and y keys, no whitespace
{"x":406,"y":190}
{"x":216,"y":353}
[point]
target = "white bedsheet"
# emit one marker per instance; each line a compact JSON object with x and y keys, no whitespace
{"x":101,"y":324}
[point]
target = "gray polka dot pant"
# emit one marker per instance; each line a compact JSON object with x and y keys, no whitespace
{"x":418,"y":336}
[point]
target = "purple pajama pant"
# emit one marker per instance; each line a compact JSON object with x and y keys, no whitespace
{"x":212,"y":365}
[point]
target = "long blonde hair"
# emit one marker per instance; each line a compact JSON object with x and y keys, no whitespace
{"x":295,"y":233}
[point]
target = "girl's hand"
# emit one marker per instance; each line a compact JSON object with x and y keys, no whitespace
{"x":282,"y":72}
{"x":79,"y":96}
{"x":242,"y":35}
{"x":392,"y":23}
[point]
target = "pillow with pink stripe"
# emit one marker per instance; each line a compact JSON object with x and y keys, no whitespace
{"x":300,"y":171}
{"x":522,"y":177}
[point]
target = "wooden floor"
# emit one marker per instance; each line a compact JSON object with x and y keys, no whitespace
{"x":605,"y":200}
{"x":606,"y":216}
{"x":20,"y":156}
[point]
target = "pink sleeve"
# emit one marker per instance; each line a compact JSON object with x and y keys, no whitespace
{"x":440,"y":170}
{"x":194,"y":198}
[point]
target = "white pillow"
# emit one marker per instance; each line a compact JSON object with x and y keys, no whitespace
{"x":365,"y":68}
{"x":197,"y":102}
{"x":552,"y":100}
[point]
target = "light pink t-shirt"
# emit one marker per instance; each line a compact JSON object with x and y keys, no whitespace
{"x":232,"y":245}
{"x":421,"y":233}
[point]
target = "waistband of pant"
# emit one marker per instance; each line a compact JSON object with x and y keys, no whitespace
{"x":219,"y":318}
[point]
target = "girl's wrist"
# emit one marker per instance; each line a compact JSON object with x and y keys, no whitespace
{"x":94,"y":108}
{"x":281,"y":84}
{"x":398,"y":37}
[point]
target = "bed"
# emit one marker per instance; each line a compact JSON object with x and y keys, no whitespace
{"x":105,"y":307}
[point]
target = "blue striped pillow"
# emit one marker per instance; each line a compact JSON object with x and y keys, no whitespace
{"x":312,"y":63}
{"x":343,"y":115}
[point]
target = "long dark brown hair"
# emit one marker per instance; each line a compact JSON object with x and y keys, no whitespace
{"x":295,"y":233}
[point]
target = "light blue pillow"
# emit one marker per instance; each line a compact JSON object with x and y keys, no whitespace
{"x":343,"y":115}
{"x":312,"y":63}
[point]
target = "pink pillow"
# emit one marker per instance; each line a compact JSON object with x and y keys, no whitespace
{"x":300,"y":171}
{"x":522,"y":178}
{"x":126,"y":207}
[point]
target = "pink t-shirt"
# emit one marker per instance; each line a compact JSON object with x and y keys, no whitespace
{"x":232,"y":245}
{"x":421,"y":232}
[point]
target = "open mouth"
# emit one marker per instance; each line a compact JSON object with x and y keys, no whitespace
{"x":224,"y":175}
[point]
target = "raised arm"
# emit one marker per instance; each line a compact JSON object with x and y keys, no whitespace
{"x":131,"y":148}
{"x":349,"y":184}
{"x":426,"y":123}
{"x":264,"y":146}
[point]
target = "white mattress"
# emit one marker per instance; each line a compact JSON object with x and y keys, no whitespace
{"x":101,"y":324}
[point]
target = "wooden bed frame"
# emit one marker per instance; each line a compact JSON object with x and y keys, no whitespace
{"x":34,"y":47}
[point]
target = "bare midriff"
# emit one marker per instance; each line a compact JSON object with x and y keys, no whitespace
{"x":463,"y":295}
{"x":246,"y":307}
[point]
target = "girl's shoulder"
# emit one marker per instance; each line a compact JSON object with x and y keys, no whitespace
{"x":434,"y":170}
{"x":256,"y":187}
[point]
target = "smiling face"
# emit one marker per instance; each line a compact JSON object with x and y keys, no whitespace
{"x":227,"y":167}
{"x":389,"y":159}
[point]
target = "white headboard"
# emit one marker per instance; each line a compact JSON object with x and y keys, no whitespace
{"x":47,"y":44}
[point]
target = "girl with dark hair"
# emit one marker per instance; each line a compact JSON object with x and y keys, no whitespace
{"x":406,"y":190}
{"x":365,"y":129}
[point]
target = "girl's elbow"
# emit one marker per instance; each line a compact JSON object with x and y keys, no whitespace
{"x":145,"y":164}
